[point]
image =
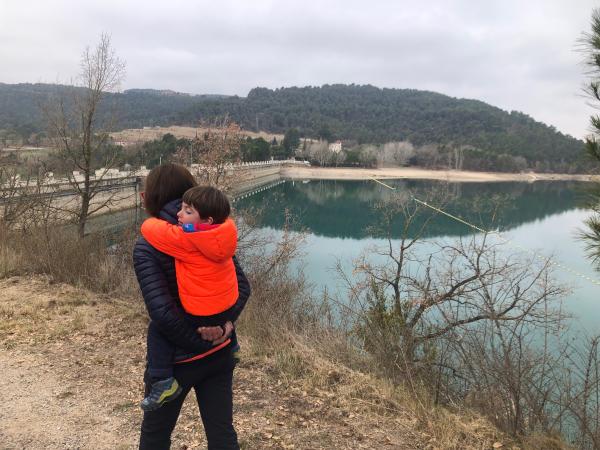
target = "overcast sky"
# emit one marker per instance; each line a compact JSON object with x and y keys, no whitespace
{"x":514,"y":54}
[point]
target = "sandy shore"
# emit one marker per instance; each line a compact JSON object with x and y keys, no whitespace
{"x":345,"y":173}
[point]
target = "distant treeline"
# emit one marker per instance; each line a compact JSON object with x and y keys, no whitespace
{"x":444,"y":131}
{"x":21,"y":106}
{"x":152,"y":153}
{"x":367,"y":114}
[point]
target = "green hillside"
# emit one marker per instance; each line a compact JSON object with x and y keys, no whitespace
{"x":21,"y":106}
{"x":361,"y":114}
{"x":368,"y":114}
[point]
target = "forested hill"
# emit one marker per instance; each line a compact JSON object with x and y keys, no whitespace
{"x":365,"y":114}
{"x":372,"y":115}
{"x":20,"y":106}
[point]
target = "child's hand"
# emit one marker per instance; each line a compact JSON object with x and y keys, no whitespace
{"x":210,"y":333}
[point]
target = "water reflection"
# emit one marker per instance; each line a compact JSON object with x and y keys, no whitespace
{"x":542,"y":217}
{"x":346,"y":209}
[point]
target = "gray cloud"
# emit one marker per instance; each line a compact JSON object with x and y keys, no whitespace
{"x":514,"y":55}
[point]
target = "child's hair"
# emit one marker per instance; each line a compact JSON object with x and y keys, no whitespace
{"x":209,"y":202}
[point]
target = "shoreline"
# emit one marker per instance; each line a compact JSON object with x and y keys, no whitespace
{"x":347,"y":173}
{"x":128,"y":199}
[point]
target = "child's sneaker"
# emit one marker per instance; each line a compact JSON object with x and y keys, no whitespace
{"x":161,"y":392}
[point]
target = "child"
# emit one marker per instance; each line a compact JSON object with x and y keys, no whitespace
{"x":206,"y":277}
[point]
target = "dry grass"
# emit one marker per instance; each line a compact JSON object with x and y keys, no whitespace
{"x":302,"y":351}
{"x":288,"y":394}
{"x":298,"y":364}
{"x":28,"y":312}
{"x":300,"y":384}
{"x":57,"y":252}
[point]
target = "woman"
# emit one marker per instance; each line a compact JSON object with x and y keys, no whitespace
{"x":202,"y":363}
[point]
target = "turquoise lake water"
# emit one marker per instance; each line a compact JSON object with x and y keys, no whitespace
{"x":542,"y":217}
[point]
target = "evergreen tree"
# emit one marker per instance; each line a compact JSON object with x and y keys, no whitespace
{"x":291,"y":140}
{"x":255,"y":150}
{"x":591,"y":44}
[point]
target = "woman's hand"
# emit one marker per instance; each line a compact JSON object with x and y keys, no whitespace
{"x":211,"y":333}
{"x":227,"y":329}
{"x":216,"y":335}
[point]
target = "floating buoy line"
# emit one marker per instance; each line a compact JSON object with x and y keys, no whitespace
{"x":500,"y":236}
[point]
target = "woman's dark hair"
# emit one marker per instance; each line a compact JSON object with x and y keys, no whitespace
{"x":165,"y":183}
{"x":209,"y":202}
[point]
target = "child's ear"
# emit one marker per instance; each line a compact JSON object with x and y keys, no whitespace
{"x":210,"y":220}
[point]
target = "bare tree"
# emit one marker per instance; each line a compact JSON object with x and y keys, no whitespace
{"x":396,"y":154}
{"x":81,"y":135}
{"x":212,"y":154}
{"x":474,"y":323}
{"x":338,"y":158}
{"x":368,"y":155}
{"x":281,"y":291}
{"x":410,"y":300}
{"x":509,"y":368}
{"x":577,"y":406}
{"x":456,"y":158}
{"x":319,"y":152}
{"x":12,"y":199}
{"x":427,"y":156}
{"x":25,"y":198}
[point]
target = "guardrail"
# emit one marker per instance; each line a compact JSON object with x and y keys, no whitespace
{"x":64,"y":189}
{"x":109,"y":180}
{"x":255,"y":164}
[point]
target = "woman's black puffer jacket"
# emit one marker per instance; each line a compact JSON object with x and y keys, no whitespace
{"x":155,"y":272}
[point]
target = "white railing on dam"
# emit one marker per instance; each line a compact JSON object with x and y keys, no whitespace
{"x":113,"y":179}
{"x":254,"y":164}
{"x":116,"y":176}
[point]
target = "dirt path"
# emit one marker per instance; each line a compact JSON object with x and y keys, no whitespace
{"x":57,"y":374}
{"x":48,"y":408}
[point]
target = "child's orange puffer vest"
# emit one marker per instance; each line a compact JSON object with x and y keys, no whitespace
{"x":205,"y":271}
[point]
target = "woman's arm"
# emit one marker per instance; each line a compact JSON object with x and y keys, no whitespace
{"x":163,"y":309}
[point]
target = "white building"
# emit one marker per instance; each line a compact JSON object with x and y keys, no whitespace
{"x":335,"y":147}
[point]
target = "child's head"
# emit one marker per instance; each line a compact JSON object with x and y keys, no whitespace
{"x":204,"y":204}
